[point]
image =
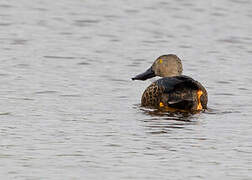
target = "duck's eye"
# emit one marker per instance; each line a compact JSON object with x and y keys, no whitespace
{"x":160,"y":61}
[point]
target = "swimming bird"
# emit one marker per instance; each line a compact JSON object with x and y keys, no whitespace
{"x":174,"y":92}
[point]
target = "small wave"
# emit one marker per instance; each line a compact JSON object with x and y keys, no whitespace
{"x":59,"y":57}
{"x":5,"y":113}
{"x":46,"y":92}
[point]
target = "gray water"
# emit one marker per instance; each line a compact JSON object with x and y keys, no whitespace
{"x":69,"y":109}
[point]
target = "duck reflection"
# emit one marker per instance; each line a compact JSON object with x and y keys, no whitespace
{"x":164,"y":122}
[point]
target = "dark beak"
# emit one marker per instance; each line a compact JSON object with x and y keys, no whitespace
{"x":146,"y":75}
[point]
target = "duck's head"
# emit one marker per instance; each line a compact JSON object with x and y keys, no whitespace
{"x":164,"y":66}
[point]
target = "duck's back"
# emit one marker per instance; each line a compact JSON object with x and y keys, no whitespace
{"x":179,"y":92}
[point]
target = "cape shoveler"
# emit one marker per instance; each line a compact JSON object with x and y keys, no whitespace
{"x":173,"y":92}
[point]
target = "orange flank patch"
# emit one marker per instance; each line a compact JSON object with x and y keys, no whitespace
{"x":161,"y":104}
{"x":199,"y":94}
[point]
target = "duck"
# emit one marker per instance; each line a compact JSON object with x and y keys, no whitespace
{"x":174,"y":92}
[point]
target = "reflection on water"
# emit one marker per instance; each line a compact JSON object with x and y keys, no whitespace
{"x":69,"y":108}
{"x":163,"y":121}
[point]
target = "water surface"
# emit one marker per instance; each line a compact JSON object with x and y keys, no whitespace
{"x":69,"y":109}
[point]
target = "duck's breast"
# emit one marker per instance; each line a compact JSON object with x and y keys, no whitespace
{"x":152,"y":95}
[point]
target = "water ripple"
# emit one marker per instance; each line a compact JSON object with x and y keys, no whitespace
{"x":59,"y":57}
{"x":86,"y":22}
{"x":46,"y":92}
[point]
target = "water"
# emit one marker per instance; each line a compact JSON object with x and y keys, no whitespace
{"x":70,"y":111}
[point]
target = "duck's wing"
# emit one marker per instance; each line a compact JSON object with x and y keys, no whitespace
{"x":176,"y":83}
{"x":178,"y":91}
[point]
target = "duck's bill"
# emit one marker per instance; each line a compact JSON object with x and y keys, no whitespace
{"x":146,"y":75}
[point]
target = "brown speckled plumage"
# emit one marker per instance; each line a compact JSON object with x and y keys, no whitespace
{"x":152,"y":95}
